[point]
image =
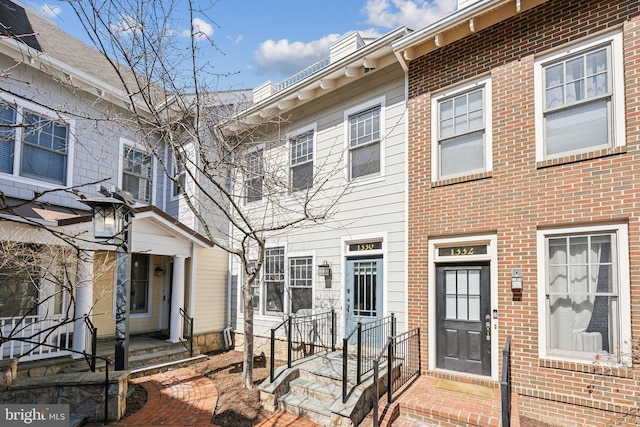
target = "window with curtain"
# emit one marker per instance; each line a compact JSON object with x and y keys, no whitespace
{"x":274,"y":279}
{"x":44,"y":148}
{"x":461,"y":134}
{"x":139,"y":283}
{"x":301,"y":161}
{"x":577,"y":102}
{"x":364,"y":143}
{"x":137,"y":174}
{"x":582,"y":294}
{"x":301,"y":283}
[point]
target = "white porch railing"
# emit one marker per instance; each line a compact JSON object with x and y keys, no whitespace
{"x":23,"y":332}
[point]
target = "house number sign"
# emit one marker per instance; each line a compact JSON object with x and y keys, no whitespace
{"x":366,"y":246}
{"x":463,"y":250}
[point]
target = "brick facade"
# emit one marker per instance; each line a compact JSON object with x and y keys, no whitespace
{"x":520,"y":196}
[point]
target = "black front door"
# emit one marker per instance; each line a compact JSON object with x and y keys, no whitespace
{"x":463,"y":318}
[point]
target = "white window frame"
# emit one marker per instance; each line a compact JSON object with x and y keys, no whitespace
{"x":377,"y":102}
{"x":249,"y":176}
{"x":624,"y":292}
{"x":150,"y":286}
{"x":285,"y":277}
{"x":290,"y":138}
{"x":485,"y":84}
{"x":617,"y":115}
{"x":288,"y":287}
{"x":133,"y":146}
{"x":22,"y":105}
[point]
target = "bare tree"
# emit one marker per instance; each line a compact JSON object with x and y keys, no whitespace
{"x":217,"y":163}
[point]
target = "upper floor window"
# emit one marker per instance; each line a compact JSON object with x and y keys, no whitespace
{"x":585,"y":291}
{"x":254,"y":174}
{"x":364,"y":136}
{"x":301,"y":161}
{"x":580,"y":98}
{"x":33,"y":145}
{"x":137,"y":173}
{"x":462,"y":123}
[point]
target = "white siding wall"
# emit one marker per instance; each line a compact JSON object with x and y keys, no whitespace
{"x":374,"y":207}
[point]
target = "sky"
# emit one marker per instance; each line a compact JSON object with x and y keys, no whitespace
{"x":261,"y":40}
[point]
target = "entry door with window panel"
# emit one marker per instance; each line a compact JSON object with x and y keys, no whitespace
{"x":364,"y":283}
{"x":463,"y":318}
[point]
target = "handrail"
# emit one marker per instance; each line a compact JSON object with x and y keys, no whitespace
{"x":308,"y":333}
{"x":505,"y":383}
{"x":93,"y":343}
{"x":369,"y":336}
{"x":403,"y":363}
{"x":188,"y":343}
{"x":376,"y":369}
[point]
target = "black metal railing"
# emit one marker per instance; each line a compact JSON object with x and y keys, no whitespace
{"x":369,"y":340}
{"x":90,"y":342}
{"x":305,"y":336}
{"x":505,"y":384}
{"x":187,"y":337}
{"x":401,"y":354}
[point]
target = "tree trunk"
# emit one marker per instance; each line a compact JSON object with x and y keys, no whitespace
{"x":247,"y":366}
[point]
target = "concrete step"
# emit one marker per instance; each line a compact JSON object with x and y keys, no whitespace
{"x":327,"y":393}
{"x":306,"y":407}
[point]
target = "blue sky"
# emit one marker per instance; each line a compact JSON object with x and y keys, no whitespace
{"x":260,"y":40}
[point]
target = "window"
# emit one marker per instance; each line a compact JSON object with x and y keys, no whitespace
{"x":300,"y":283}
{"x":139,"y":283}
{"x":180,"y":178}
{"x":254,"y":176}
{"x":462,"y":123}
{"x":364,"y":142}
{"x":301,"y":155}
{"x":19,"y":288}
{"x":586,"y":292}
{"x":274,"y":279}
{"x":42,"y":144}
{"x":137,"y":174}
{"x":580,"y":105}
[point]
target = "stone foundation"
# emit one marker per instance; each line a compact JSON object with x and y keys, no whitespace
{"x":8,"y":371}
{"x":83,"y":392}
{"x":209,"y":341}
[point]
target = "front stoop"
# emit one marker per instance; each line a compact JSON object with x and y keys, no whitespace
{"x":423,"y":403}
{"x":312,"y":389}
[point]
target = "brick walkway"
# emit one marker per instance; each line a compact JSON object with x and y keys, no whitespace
{"x":183,"y":397}
{"x":175,"y":398}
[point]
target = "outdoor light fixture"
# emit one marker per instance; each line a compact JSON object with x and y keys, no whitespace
{"x":324,"y":269}
{"x":112,"y":216}
{"x":158,"y":271}
{"x":516,"y":279}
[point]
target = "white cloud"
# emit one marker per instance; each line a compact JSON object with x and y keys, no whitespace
{"x":287,"y":58}
{"x":414,"y":14}
{"x":127,"y":25}
{"x":50,"y":11}
{"x":201,"y":29}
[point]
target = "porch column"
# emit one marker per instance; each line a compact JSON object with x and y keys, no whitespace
{"x":177,"y":299}
{"x":84,"y":300}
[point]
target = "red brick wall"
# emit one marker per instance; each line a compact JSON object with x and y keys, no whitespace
{"x":519,"y":195}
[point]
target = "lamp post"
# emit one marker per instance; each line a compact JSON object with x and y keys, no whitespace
{"x":112,"y":215}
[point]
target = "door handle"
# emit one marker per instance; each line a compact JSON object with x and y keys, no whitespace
{"x":487,"y":326}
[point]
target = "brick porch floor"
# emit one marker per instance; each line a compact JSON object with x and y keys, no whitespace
{"x":425,"y":403}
